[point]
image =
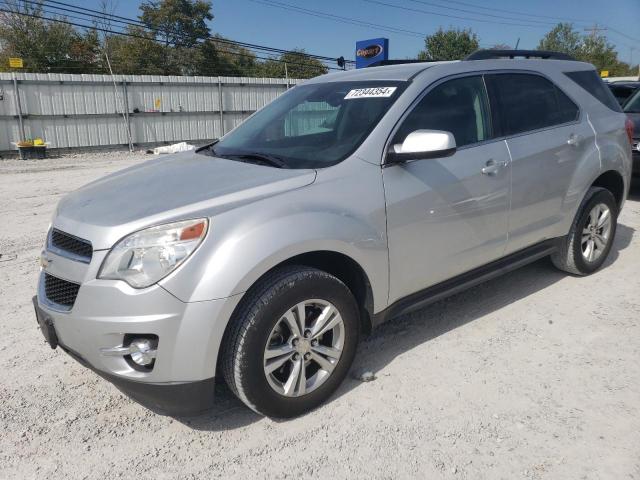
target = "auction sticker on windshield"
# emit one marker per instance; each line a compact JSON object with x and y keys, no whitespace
{"x":370,"y":92}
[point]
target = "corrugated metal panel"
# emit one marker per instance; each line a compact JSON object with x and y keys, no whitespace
{"x":69,"y":110}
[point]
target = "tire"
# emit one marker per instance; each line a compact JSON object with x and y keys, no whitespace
{"x":266,"y":322}
{"x":573,"y":255}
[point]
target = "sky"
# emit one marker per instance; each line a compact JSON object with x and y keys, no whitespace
{"x":328,"y":26}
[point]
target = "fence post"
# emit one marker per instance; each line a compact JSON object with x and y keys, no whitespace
{"x":220,"y":106}
{"x":16,"y":95}
{"x":125,"y":94}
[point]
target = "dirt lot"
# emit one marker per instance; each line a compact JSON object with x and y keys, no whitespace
{"x":533,"y":375}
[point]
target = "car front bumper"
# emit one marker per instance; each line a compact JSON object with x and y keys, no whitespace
{"x":105,"y":312}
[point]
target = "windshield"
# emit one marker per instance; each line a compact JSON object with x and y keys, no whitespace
{"x":311,"y":126}
{"x":633,"y":104}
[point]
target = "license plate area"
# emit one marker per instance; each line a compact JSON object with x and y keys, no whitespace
{"x":45,"y":322}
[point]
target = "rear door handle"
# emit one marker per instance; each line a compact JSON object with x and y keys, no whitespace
{"x":492,"y":167}
{"x":574,"y":140}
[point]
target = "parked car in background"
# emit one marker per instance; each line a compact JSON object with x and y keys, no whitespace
{"x":632,"y":109}
{"x":347,"y":201}
{"x":623,"y":90}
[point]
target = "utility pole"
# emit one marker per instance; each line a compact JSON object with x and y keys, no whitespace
{"x":594,"y":30}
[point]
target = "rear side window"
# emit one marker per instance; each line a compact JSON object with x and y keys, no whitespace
{"x":592,"y":83}
{"x":530,"y":102}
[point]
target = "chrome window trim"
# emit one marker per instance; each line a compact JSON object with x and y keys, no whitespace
{"x":481,"y":73}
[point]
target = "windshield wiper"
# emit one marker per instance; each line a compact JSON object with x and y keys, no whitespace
{"x":272,"y":160}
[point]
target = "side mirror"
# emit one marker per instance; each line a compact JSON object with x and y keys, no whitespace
{"x":423,"y":144}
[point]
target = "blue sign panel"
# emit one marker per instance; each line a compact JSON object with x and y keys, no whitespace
{"x":371,"y":51}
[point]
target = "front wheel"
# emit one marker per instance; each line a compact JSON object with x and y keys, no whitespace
{"x":586,"y":247}
{"x":292,"y":341}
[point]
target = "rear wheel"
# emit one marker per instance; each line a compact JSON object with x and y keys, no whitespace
{"x":586,"y":247}
{"x":292,"y":341}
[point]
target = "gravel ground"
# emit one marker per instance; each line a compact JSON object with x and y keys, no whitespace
{"x":533,"y":375}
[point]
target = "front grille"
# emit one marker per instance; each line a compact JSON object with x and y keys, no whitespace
{"x":60,"y":291}
{"x":69,"y":243}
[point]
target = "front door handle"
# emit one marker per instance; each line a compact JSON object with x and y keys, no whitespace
{"x":492,"y":167}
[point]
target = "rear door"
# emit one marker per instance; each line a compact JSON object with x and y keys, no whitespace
{"x":546,"y":138}
{"x":444,"y":215}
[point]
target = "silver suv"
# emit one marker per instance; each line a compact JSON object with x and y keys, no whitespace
{"x":350,"y":199}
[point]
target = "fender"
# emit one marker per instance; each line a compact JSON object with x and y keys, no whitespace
{"x":245,"y":243}
{"x":608,"y":155}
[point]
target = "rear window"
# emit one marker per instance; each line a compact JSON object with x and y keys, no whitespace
{"x":592,"y":83}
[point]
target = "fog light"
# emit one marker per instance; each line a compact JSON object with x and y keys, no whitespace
{"x":142,"y":351}
{"x":139,"y":351}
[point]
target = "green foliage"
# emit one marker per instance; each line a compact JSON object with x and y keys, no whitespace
{"x":452,"y":44}
{"x":45,"y":46}
{"x":298,"y":65}
{"x":588,"y":48}
{"x":501,"y":46}
{"x":175,"y":41}
{"x":562,"y":38}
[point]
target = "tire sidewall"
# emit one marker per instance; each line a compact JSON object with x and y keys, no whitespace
{"x":268,"y":310}
{"x":600,"y":196}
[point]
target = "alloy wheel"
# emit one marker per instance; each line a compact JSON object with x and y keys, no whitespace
{"x":596,"y":232}
{"x":304,"y":347}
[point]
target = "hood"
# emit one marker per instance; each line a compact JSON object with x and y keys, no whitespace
{"x":173,"y":187}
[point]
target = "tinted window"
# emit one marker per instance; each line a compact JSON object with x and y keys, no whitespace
{"x":592,"y":83}
{"x":621,"y":92}
{"x":458,"y":106}
{"x":529,"y":102}
{"x":633,"y":104}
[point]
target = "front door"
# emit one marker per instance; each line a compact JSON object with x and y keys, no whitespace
{"x":449,"y":215}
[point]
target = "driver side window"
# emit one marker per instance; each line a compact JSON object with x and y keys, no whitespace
{"x":459,"y":106}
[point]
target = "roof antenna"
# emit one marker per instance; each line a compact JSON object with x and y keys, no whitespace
{"x":517,"y":43}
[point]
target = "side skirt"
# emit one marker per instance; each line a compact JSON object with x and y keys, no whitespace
{"x":457,"y":284}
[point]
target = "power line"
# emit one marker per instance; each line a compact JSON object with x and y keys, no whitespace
{"x":410,"y":9}
{"x":501,"y":10}
{"x":340,"y":19}
{"x":134,"y":22}
{"x":547,"y":22}
{"x":99,"y":17}
{"x":556,"y":19}
{"x":105,"y":30}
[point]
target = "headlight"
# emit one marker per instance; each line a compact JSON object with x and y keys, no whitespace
{"x":146,"y":257}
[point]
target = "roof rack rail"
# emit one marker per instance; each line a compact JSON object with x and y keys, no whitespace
{"x":493,"y":54}
{"x":381,"y":63}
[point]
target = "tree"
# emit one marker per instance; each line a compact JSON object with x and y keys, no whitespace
{"x":562,"y":38}
{"x":45,"y":46}
{"x":298,"y":65}
{"x":588,"y":48}
{"x":452,"y":44}
{"x":219,"y":57}
{"x":500,"y":46}
{"x":180,"y":25}
{"x":139,"y":54}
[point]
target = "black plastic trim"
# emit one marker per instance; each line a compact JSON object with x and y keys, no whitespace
{"x":466,"y":280}
{"x":173,"y":399}
{"x":395,"y":158}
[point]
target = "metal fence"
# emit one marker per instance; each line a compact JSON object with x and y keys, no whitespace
{"x":71,"y":111}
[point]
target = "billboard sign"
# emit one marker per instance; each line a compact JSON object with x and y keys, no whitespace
{"x":371,"y":51}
